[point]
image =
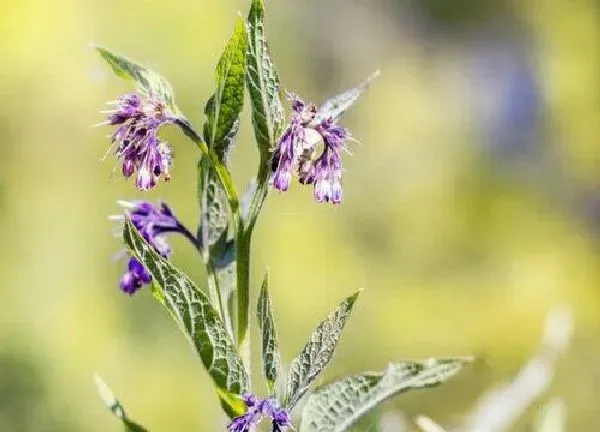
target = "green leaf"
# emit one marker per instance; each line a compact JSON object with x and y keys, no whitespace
{"x":336,"y":406}
{"x":317,"y":352}
{"x":270,"y":347}
{"x":225,"y":268}
{"x":218,"y":250}
{"x":222,"y":172}
{"x":263,"y":82}
{"x":192,"y":311}
{"x":146,"y":79}
{"x":338,"y":105}
{"x":214,"y":217}
{"x":246,"y":201}
{"x":115,"y":406}
{"x":224,"y":106}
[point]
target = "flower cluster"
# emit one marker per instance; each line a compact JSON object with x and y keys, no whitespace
{"x":138,"y":119}
{"x":259,"y":409}
{"x":152,"y":222}
{"x":297,"y":148}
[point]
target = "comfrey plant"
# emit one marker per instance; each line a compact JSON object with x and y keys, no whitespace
{"x":309,"y":144}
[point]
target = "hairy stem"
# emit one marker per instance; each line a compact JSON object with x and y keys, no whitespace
{"x":243,"y":239}
{"x":243,"y":249}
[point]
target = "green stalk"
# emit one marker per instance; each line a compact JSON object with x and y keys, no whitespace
{"x":243,"y":249}
{"x":243,"y":292}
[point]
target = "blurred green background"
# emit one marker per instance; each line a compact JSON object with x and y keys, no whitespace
{"x":471,"y":208}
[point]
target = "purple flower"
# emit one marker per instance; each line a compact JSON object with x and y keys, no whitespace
{"x":135,"y":277}
{"x":259,"y":409}
{"x":152,"y":222}
{"x":286,"y":154}
{"x":297,"y":147}
{"x":138,"y":119}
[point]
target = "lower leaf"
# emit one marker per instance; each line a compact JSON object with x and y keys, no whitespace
{"x":336,"y":406}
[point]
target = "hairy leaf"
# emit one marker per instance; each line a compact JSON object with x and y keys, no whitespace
{"x":224,"y":106}
{"x":263,"y":82}
{"x":270,"y":347}
{"x":224,"y":264}
{"x":338,"y":105}
{"x":147,"y":81}
{"x":194,"y":314}
{"x":214,"y":216}
{"x":336,"y":406}
{"x":115,"y":406}
{"x":317,"y":352}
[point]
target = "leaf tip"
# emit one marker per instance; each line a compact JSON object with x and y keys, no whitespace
{"x":265,"y":283}
{"x":101,"y":50}
{"x":239,"y":22}
{"x":105,"y":392}
{"x":354,"y":296}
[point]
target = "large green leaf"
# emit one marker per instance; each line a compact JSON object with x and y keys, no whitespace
{"x":317,"y":352}
{"x":146,"y":79}
{"x":335,"y":407}
{"x":270,"y":346}
{"x":338,"y":105}
{"x":115,"y":406}
{"x":199,"y":321}
{"x":263,"y":82}
{"x":224,"y":106}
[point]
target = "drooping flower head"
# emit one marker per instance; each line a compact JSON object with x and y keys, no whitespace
{"x":297,"y":148}
{"x":258,"y":410}
{"x":138,"y":118}
{"x":290,"y":143}
{"x":152,"y":222}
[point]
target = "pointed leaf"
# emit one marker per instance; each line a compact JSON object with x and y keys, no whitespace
{"x":194,"y":314}
{"x":214,"y":217}
{"x":263,"y":82}
{"x":338,"y":105}
{"x":270,"y":347}
{"x":146,"y":80}
{"x":317,"y":353}
{"x":115,"y":406}
{"x":335,"y":407}
{"x":224,"y":106}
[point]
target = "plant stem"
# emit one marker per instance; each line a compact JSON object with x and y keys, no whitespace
{"x":243,"y":249}
{"x":243,"y":292}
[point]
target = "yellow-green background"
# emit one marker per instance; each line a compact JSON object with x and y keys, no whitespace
{"x":456,"y":255}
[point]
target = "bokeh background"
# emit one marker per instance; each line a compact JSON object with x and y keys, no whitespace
{"x":471,"y":208}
